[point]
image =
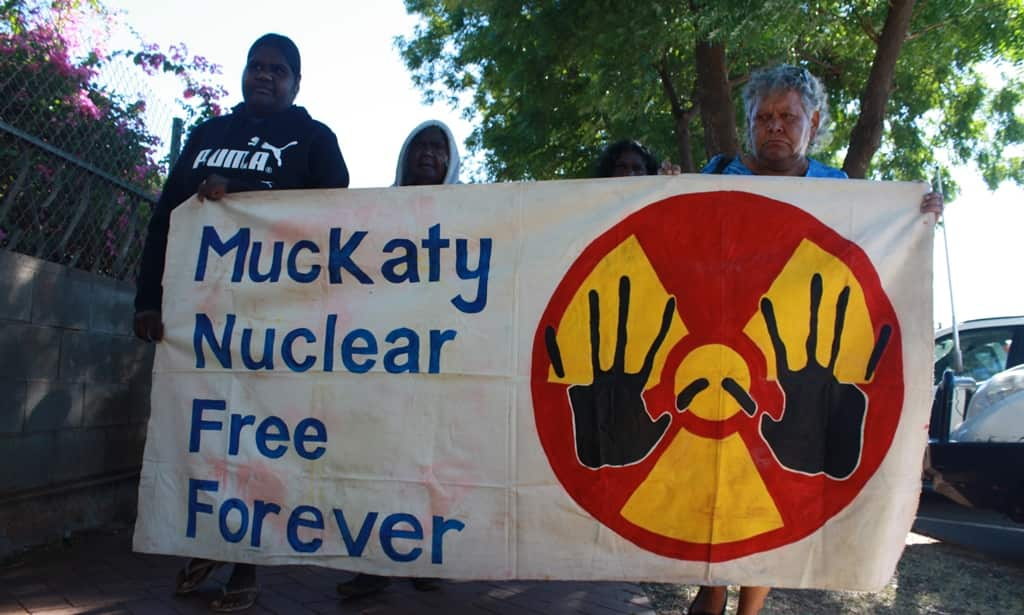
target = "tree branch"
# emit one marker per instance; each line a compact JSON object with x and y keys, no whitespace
{"x":866,"y":137}
{"x":868,"y":28}
{"x":682,"y":115}
{"x":669,"y":88}
{"x":926,"y":30}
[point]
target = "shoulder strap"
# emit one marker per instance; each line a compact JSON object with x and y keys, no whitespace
{"x":723,"y":162}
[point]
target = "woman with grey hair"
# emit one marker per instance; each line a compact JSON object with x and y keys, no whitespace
{"x":787,"y":115}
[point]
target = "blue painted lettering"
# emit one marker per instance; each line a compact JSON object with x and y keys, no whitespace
{"x":389,"y":533}
{"x":341,"y":257}
{"x":296,"y":520}
{"x":198,"y":424}
{"x":480,"y":273}
{"x":194,"y":505}
{"x":210,"y":240}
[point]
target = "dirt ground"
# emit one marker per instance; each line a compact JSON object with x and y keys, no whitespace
{"x":932,"y":578}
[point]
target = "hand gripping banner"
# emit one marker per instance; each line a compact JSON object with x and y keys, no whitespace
{"x":693,"y":378}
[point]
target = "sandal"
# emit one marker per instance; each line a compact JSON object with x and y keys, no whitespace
{"x":235,"y":600}
{"x":193,"y":574}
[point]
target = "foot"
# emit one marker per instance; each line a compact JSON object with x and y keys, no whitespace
{"x":240,"y":592}
{"x":193,"y":574}
{"x":426,"y":584}
{"x":362,"y":585}
{"x":233,"y":600}
{"x":710,"y":600}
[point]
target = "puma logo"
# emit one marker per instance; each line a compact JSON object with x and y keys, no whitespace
{"x":277,"y":151}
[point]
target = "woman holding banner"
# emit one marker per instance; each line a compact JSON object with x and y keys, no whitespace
{"x":626,"y":158}
{"x":787,"y":114}
{"x":630,"y":158}
{"x":429,"y":157}
{"x":265,"y":143}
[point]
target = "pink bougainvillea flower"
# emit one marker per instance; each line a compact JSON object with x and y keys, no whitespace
{"x":86,"y":105}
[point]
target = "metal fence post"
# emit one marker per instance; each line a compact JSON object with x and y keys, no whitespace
{"x":177,"y":127}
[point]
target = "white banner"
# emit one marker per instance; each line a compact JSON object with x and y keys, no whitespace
{"x":603,"y":379}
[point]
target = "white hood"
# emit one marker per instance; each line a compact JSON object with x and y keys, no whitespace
{"x":452,"y":176}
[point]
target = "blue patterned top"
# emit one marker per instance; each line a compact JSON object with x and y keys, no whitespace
{"x":736,"y":167}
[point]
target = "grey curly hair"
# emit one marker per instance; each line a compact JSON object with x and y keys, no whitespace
{"x":782,"y":78}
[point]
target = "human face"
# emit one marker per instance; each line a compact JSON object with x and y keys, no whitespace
{"x":781,"y":130}
{"x":268,"y":83}
{"x":629,"y":164}
{"x":426,"y":161}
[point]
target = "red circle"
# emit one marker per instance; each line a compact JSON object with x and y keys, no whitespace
{"x":718,"y":253}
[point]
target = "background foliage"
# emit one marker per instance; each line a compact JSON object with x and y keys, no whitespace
{"x":552,"y":81}
{"x":80,"y":162}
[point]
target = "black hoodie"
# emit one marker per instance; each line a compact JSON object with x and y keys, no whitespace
{"x":286,"y":150}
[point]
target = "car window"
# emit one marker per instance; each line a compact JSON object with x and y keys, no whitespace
{"x":984,"y":352}
{"x":943,"y":346}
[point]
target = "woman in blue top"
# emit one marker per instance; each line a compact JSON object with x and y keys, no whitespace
{"x":787,"y":114}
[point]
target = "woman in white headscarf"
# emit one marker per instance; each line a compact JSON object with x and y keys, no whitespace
{"x":428,"y":157}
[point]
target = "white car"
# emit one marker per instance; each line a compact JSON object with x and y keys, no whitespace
{"x":996,"y":410}
{"x":989,"y":402}
{"x":976,"y":434}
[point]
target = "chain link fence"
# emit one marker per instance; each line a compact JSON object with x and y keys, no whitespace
{"x":80,"y":165}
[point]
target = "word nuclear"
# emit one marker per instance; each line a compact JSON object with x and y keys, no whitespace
{"x":250,"y":262}
{"x":302,"y":349}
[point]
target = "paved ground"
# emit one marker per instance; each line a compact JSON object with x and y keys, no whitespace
{"x":98,"y":574}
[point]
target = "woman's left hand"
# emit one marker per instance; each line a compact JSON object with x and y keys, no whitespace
{"x":932,"y":203}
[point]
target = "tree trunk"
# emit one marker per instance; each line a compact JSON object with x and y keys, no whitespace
{"x":867,"y":133}
{"x":684,"y":144}
{"x":717,"y":113}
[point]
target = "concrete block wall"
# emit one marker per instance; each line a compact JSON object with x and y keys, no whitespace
{"x":74,"y":401}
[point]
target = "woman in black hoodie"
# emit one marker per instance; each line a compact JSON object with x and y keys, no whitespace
{"x":265,"y":143}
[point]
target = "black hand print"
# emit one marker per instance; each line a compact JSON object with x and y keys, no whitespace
{"x":822,"y":422}
{"x":609,"y":416}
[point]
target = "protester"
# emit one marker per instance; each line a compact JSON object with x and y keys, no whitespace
{"x":630,"y":158}
{"x":626,"y":158}
{"x":428,"y":157}
{"x":787,"y":114}
{"x":265,"y":143}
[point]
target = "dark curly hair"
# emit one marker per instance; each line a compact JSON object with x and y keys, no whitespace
{"x":611,"y":153}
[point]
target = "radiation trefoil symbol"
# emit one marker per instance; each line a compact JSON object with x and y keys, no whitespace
{"x":717,"y":375}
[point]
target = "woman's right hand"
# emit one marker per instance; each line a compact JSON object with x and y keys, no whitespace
{"x":214,"y":187}
{"x":149,"y":326}
{"x":667,"y":168}
{"x":933,"y":203}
